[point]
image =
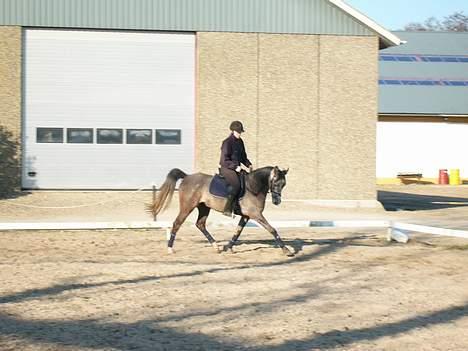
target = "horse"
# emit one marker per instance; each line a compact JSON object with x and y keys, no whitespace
{"x":194,"y":193}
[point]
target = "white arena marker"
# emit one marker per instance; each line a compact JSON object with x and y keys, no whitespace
{"x":397,"y":235}
{"x":396,"y":230}
{"x":430,"y":230}
{"x":290,"y":224}
{"x":326,"y":224}
{"x":81,"y":225}
{"x":361,"y":224}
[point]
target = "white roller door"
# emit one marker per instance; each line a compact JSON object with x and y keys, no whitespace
{"x":106,"y":109}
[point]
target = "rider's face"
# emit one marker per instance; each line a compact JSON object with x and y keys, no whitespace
{"x":236,"y":134}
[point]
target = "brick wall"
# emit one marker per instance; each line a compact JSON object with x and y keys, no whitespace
{"x":226,"y":91}
{"x":308,"y":102}
{"x":348,"y":118}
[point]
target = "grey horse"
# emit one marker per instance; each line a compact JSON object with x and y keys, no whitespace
{"x":194,"y":193}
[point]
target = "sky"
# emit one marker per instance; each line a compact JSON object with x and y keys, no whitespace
{"x":395,"y":14}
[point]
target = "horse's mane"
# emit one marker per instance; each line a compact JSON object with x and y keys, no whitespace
{"x":257,"y":181}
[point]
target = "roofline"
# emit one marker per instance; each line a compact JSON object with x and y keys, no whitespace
{"x":387,"y":38}
{"x":429,"y":31}
{"x":423,"y":114}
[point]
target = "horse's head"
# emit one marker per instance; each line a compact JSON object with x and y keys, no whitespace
{"x":277,"y":183}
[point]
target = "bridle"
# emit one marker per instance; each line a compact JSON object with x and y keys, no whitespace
{"x":275,"y":193}
{"x":270,"y":188}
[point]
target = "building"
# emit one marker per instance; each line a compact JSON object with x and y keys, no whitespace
{"x":113,"y":94}
{"x":423,"y":109}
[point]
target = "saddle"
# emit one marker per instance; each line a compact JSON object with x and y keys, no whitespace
{"x":219,"y":186}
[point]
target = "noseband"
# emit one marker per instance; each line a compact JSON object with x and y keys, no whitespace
{"x":271,"y":189}
{"x":275,"y":193}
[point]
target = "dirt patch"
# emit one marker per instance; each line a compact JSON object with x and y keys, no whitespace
{"x":119,"y":290}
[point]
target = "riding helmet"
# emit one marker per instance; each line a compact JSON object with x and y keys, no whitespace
{"x":237,"y":126}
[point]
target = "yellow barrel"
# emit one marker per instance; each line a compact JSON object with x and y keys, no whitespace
{"x":454,"y":177}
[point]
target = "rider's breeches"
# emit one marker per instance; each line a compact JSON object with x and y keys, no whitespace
{"x":232,"y":179}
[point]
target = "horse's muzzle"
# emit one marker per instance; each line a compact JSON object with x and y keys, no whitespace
{"x":276,"y":199}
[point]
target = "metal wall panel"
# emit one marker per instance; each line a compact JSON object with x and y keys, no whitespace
{"x":431,"y":43}
{"x":265,"y":16}
{"x":429,"y":100}
{"x":421,"y":99}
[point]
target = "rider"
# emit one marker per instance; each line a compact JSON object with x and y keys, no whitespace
{"x":233,"y":160}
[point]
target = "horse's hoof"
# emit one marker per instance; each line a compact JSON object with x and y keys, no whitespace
{"x":288,"y":252}
{"x":217,"y":247}
{"x":170,"y":251}
{"x":228,"y":248}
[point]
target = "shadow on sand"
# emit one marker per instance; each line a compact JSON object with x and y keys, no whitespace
{"x":153,"y":334}
{"x":324,"y":247}
{"x":396,"y":201}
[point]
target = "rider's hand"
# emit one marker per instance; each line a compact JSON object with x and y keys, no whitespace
{"x":245,"y":168}
{"x":238,"y":169}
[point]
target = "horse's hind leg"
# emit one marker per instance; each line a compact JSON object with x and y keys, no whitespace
{"x":243,"y":221}
{"x":181,"y":217}
{"x":203,"y":212}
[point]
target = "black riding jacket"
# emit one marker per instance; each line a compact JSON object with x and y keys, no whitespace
{"x":233,"y":153}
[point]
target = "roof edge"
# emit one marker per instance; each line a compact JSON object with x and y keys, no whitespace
{"x":422,"y":114}
{"x":386,"y":37}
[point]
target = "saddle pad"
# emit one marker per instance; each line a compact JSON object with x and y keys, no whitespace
{"x":219,"y":186}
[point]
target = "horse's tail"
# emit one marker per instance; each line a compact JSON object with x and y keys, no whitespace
{"x":163,"y":199}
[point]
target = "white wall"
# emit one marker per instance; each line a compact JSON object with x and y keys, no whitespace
{"x":423,"y":147}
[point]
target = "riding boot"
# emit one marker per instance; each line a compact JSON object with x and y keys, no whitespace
{"x":228,"y":207}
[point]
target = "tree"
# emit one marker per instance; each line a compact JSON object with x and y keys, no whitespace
{"x":456,"y":22}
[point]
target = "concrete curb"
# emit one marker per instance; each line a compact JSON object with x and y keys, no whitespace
{"x":397,"y":230}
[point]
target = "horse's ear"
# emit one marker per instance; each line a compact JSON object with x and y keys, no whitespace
{"x":275,"y":170}
{"x":285,"y":171}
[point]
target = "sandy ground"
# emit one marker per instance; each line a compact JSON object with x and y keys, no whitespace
{"x":119,"y":290}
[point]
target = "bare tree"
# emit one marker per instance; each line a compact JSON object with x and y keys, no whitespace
{"x":456,"y":22}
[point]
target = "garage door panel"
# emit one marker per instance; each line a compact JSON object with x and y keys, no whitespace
{"x":124,"y":117}
{"x":60,"y":171}
{"x":113,"y":80}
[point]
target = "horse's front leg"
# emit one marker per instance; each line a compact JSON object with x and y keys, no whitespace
{"x":264,"y":223}
{"x":243,"y":221}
